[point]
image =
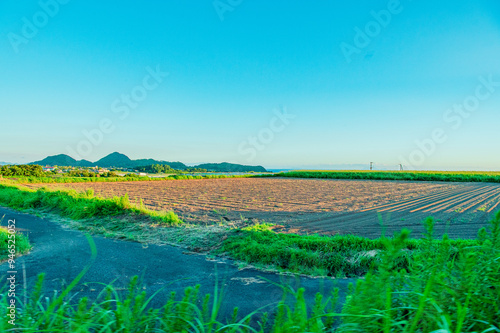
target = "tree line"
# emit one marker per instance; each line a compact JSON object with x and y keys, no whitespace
{"x":22,"y":171}
{"x":165,"y":168}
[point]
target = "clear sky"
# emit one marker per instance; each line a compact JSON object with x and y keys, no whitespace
{"x":282,"y":84}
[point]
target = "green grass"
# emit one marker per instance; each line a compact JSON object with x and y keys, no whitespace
{"x":448,"y":176}
{"x":130,"y":312}
{"x":78,"y":205}
{"x":337,"y":256}
{"x":20,"y":242}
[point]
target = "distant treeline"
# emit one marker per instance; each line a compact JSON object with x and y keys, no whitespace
{"x":164,"y":168}
{"x":446,"y":176}
{"x":87,"y":173}
{"x":33,"y":170}
{"x":22,"y":171}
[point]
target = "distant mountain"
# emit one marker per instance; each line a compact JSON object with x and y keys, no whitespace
{"x":6,"y":163}
{"x":114,"y":160}
{"x":63,"y":160}
{"x":229,"y":167}
{"x":60,"y":159}
{"x":118,"y":160}
{"x":123,"y":161}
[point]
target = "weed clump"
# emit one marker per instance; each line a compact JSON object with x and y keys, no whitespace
{"x":336,"y":256}
{"x":8,"y":239}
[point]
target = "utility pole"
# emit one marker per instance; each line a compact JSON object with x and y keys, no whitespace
{"x":371,"y":165}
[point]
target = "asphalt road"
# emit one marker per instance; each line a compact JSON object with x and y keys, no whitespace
{"x":63,"y":253}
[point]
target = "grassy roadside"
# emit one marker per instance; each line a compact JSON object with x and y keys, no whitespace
{"x":79,"y":205}
{"x":444,"y":176}
{"x":114,"y":217}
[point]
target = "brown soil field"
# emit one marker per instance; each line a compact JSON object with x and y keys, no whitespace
{"x":361,"y":207}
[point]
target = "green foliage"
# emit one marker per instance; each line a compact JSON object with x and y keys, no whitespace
{"x":89,"y":174}
{"x":441,"y":290}
{"x":22,"y":171}
{"x":448,"y":176}
{"x":164,"y":168}
{"x":115,"y":311}
{"x":156,"y":168}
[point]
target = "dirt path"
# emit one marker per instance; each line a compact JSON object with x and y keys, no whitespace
{"x":62,"y":254}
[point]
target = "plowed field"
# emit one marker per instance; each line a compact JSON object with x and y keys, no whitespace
{"x":361,"y":207}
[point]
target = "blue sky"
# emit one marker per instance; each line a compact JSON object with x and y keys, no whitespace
{"x":253,"y":82}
